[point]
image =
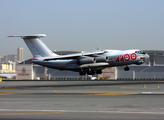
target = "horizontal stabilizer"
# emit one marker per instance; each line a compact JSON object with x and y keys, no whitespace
{"x":29,"y":36}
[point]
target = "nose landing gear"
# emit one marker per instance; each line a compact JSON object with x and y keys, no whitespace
{"x":126,"y":68}
{"x":91,"y":72}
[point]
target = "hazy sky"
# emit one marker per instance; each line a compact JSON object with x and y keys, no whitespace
{"x":83,"y":24}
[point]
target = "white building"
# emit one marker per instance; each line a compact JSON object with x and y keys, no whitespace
{"x":8,"y":68}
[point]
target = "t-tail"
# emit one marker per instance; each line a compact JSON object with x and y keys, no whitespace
{"x":36,"y":46}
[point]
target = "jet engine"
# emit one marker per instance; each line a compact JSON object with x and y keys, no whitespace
{"x":101,"y":59}
{"x":86,"y":60}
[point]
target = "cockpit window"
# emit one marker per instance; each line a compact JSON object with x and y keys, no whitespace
{"x":107,"y":51}
{"x":141,"y":52}
{"x":136,"y":51}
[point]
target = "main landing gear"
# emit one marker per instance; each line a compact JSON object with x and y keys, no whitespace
{"x":90,"y":72}
{"x":126,"y":68}
{"x":82,"y":73}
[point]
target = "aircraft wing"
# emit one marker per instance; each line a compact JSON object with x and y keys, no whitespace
{"x":74,"y":56}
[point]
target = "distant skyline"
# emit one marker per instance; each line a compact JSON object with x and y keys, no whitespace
{"x":20,"y":54}
{"x":83,"y":24}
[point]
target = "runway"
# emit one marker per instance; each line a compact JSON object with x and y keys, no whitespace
{"x":60,"y":100}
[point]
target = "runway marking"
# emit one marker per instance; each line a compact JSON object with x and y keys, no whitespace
{"x":111,"y":94}
{"x":96,"y":93}
{"x":31,"y":113}
{"x":53,"y":114}
{"x":55,"y":91}
{"x":61,"y":94}
{"x":73,"y":111}
{"x":157,"y":93}
{"x":8,"y":89}
{"x":126,"y":87}
{"x":13,"y":93}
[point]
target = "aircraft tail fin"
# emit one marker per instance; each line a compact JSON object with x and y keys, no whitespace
{"x":36,"y":46}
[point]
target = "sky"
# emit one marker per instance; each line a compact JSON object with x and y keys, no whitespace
{"x":83,"y":25}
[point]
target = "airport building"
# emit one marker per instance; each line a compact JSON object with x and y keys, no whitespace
{"x":9,"y":68}
{"x":9,"y":61}
{"x":152,"y":69}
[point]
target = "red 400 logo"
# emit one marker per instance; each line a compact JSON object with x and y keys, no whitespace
{"x":126,"y":57}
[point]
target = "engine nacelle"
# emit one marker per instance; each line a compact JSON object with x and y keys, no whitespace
{"x":86,"y":60}
{"x":101,"y":59}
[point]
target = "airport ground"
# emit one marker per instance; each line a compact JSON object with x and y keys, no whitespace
{"x":72,"y":100}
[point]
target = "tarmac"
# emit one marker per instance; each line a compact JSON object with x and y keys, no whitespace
{"x":72,"y":100}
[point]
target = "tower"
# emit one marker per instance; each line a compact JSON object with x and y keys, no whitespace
{"x":20,"y":54}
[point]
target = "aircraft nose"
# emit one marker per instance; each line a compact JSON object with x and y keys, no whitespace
{"x":147,"y":56}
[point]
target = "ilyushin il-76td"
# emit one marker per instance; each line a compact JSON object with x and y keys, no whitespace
{"x":85,"y":62}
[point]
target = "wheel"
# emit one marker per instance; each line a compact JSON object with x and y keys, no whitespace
{"x":98,"y":72}
{"x":126,"y":68}
{"x":82,"y":73}
{"x":90,"y":72}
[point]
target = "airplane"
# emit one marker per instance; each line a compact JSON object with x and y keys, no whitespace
{"x":84,"y":62}
{"x":8,"y":76}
